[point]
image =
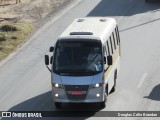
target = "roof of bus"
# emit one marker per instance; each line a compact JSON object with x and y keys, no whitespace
{"x":90,"y":27}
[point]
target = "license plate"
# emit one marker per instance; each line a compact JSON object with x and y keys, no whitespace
{"x":76,"y":92}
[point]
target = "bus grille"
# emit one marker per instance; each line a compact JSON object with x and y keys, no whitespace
{"x":82,"y":88}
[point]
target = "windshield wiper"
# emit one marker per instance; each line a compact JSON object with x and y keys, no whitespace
{"x":66,"y":70}
{"x":85,"y":70}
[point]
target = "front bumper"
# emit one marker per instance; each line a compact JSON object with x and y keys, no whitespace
{"x":90,"y":96}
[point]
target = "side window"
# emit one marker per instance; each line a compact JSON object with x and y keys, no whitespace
{"x":110,"y":44}
{"x":114,"y":40}
{"x":117,"y":35}
{"x":108,"y":49}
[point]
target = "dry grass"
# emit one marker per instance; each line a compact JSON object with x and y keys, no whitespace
{"x":14,"y":39}
{"x":25,"y":16}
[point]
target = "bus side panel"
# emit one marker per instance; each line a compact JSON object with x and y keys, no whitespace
{"x":109,"y":74}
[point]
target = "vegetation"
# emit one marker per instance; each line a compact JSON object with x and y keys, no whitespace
{"x":12,"y":36}
{"x":7,"y":28}
{"x":18,"y":1}
{"x":19,"y":18}
{"x":2,"y":37}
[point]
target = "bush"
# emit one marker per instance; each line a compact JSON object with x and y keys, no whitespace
{"x":7,"y":28}
{"x":13,"y":37}
{"x":2,"y":37}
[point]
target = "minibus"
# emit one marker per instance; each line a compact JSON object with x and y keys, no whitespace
{"x":85,"y":62}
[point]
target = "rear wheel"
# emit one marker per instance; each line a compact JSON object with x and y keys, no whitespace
{"x":115,"y":78}
{"x":58,"y":105}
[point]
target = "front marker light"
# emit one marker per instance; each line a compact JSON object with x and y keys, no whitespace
{"x":97,"y":85}
{"x":56,"y":95}
{"x":56,"y":85}
{"x":98,"y":95}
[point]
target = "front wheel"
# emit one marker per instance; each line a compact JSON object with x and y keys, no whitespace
{"x":147,"y":1}
{"x":102,"y":104}
{"x":58,"y":105}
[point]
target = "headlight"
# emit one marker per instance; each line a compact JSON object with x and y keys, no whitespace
{"x":56,"y":85}
{"x":97,"y":85}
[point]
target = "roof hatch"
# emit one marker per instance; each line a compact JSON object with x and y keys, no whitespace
{"x":81,"y":33}
{"x":103,"y":20}
{"x":80,"y":20}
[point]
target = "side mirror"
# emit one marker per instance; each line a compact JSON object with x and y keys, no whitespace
{"x":104,"y":60}
{"x":51,"y":49}
{"x":109,"y":59}
{"x":46,"y":59}
{"x":51,"y":60}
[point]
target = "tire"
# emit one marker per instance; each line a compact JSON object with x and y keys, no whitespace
{"x":115,"y":78}
{"x":147,"y":0}
{"x":58,"y":105}
{"x":103,"y":104}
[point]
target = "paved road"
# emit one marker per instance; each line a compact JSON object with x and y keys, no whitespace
{"x":25,"y":81}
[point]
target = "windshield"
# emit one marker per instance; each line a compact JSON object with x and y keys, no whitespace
{"x":78,"y":57}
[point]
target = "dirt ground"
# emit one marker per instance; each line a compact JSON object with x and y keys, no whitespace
{"x":26,"y":16}
{"x":27,"y":10}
